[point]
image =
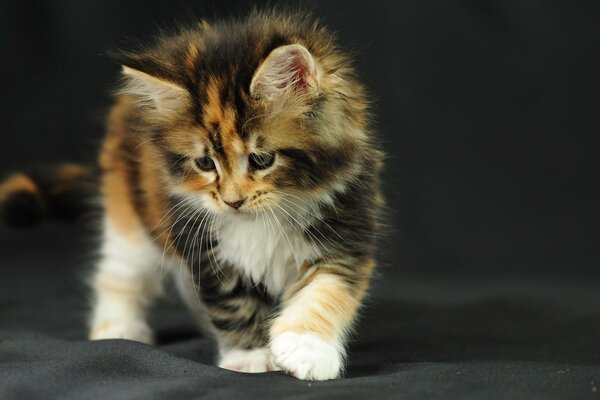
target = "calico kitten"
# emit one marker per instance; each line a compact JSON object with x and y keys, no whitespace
{"x":238,"y":154}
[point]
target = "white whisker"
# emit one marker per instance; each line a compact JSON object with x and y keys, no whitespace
{"x":317,"y":217}
{"x":305,"y":230}
{"x":286,"y":237}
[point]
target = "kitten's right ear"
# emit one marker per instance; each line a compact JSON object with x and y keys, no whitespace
{"x":288,"y":70}
{"x":162,"y":94}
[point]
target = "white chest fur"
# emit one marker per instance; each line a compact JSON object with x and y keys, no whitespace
{"x":268,"y":251}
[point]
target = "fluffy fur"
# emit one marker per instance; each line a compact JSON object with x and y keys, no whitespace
{"x":240,"y":155}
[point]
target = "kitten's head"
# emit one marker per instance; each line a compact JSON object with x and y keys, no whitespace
{"x":246,"y":116}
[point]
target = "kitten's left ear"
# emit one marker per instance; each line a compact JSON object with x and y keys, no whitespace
{"x":289,"y":69}
{"x":162,"y":94}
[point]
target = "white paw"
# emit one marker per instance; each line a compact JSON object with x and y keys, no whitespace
{"x":138,"y":331}
{"x":254,"y":360}
{"x":307,"y":356}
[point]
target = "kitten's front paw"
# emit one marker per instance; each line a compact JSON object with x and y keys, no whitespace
{"x":138,"y":331}
{"x":307,"y":356}
{"x":254,"y":360}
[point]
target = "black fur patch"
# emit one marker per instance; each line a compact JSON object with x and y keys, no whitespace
{"x":22,"y":210}
{"x":175,"y":162}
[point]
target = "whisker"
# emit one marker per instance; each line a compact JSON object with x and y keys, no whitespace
{"x":310,"y":224}
{"x":212,"y":249}
{"x":318,"y":218}
{"x":217,"y":221}
{"x":181,"y":232}
{"x":141,"y":144}
{"x":191,"y":249}
{"x":285,"y":234}
{"x":268,"y":266}
{"x":253,"y":118}
{"x":203,"y":226}
{"x":171,"y":211}
{"x":168,"y":244}
{"x":307,"y":232}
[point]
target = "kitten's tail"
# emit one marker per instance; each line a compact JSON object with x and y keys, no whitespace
{"x":62,"y":192}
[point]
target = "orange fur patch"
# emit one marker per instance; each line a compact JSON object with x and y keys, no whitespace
{"x":213,"y":109}
{"x":17,"y":183}
{"x":102,"y":327}
{"x":196,"y":182}
{"x":325,"y":305}
{"x":192,"y":56}
{"x":118,"y":202}
{"x":68,"y":176}
{"x":324,"y":308}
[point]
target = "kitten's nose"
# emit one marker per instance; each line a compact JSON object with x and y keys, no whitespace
{"x":234,"y":204}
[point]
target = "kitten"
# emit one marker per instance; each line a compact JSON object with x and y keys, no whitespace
{"x":240,"y":155}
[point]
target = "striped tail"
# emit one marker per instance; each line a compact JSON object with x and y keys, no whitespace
{"x":57,"y":192}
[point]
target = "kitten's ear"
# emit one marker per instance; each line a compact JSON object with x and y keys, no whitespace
{"x":288,"y":69}
{"x":162,"y":94}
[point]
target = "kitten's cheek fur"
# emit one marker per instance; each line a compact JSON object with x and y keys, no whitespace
{"x":307,"y":356}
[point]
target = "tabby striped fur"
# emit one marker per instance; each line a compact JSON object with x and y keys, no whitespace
{"x":276,"y":242}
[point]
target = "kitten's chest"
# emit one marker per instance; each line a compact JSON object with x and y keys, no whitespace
{"x":266,"y":251}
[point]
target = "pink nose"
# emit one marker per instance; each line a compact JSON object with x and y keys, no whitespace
{"x":234,"y":204}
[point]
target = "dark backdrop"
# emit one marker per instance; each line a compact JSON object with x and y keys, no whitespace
{"x":489,"y":288}
{"x":488,"y":111}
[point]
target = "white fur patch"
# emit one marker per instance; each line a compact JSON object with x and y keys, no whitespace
{"x":125,"y":285}
{"x":307,"y":356}
{"x":253,"y":361}
{"x":267,"y":248}
{"x":136,"y":330}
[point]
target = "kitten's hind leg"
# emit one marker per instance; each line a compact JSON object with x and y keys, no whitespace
{"x":125,"y":285}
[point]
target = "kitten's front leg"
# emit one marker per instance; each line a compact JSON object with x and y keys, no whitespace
{"x":239,"y":313}
{"x":308,"y":337}
{"x":125,"y":284}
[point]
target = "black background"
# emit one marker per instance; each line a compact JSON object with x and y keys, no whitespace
{"x":489,"y":112}
{"x":488,"y":109}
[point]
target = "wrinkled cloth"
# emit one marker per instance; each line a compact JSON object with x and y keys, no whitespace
{"x":417,"y":339}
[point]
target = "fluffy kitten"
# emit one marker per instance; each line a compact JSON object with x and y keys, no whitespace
{"x":238,"y":154}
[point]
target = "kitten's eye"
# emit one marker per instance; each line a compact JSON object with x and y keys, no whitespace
{"x":205,"y":163}
{"x":262,"y":160}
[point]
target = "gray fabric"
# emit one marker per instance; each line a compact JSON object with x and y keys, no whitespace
{"x":418,"y":339}
{"x":489,"y":288}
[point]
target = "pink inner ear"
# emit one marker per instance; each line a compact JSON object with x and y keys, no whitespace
{"x":289,"y":67}
{"x":299,"y":71}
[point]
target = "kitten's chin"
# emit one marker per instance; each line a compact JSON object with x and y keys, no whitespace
{"x":241,"y":213}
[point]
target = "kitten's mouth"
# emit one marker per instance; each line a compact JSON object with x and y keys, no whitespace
{"x":241,"y":212}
